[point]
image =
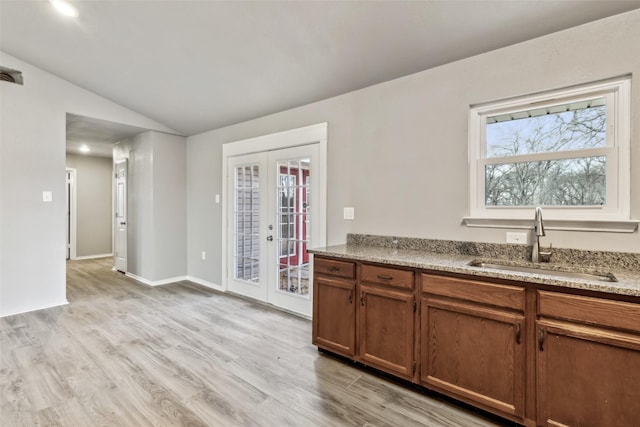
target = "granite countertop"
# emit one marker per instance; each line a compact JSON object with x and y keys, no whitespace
{"x":628,"y":280}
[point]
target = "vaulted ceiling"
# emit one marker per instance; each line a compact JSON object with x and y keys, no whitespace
{"x":199,"y":65}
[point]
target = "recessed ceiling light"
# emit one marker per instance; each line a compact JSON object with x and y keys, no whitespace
{"x":84,"y":149}
{"x":65,"y":8}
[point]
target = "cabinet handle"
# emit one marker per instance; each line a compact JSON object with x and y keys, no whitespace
{"x":384,"y":277}
{"x":518,"y":332}
{"x":351,"y":296}
{"x":541,"y":339}
{"x":333,"y":269}
{"x":362,"y":298}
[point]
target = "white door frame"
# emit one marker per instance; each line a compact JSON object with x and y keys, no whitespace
{"x":72,"y":205}
{"x":291,"y":138}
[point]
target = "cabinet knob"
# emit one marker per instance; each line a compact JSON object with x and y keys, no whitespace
{"x":362,"y":298}
{"x":518,"y":332}
{"x":541,"y":339}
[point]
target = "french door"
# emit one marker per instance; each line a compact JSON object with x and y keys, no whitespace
{"x":270,"y":219}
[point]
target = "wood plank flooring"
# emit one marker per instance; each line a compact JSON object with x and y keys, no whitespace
{"x":125,"y":354}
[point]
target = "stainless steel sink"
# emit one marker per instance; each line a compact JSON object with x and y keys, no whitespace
{"x":492,"y":265}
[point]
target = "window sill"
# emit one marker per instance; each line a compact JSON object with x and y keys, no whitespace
{"x":607,"y":226}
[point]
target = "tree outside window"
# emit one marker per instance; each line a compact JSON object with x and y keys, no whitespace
{"x":578,"y":181}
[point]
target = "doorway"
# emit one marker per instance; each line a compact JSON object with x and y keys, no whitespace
{"x":275,"y":211}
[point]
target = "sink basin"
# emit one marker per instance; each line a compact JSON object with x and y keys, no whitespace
{"x":493,"y":265}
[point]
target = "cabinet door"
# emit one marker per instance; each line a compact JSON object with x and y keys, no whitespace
{"x":587,"y":376}
{"x":473,"y":353}
{"x":386,"y":330}
{"x":334,"y":315}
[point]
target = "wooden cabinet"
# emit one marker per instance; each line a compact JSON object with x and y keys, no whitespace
{"x":529,"y":353}
{"x":386,"y":330}
{"x":588,"y":361}
{"x":473,"y":342}
{"x":334,"y":303}
{"x":371,"y":320}
{"x":386,"y":320}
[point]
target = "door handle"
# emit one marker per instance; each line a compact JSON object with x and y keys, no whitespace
{"x":270,"y":238}
{"x":518,"y":332}
{"x":541,"y":339}
{"x":123,"y":223}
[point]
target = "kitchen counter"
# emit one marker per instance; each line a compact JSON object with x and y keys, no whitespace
{"x":628,"y":280}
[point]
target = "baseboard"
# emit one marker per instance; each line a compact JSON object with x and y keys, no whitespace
{"x":156,"y":282}
{"x":205,"y":283}
{"x":13,"y":313}
{"x":91,"y":257}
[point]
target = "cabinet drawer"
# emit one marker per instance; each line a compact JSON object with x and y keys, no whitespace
{"x":478,"y":292}
{"x":386,"y":276}
{"x":334,"y":268}
{"x":597,"y":311}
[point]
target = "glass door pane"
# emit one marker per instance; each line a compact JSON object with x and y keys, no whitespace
{"x":247,"y":223}
{"x":293,"y":217}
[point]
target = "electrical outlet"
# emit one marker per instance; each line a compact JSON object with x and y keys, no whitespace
{"x":204,"y":255}
{"x":517,"y":238}
{"x":349,"y":213}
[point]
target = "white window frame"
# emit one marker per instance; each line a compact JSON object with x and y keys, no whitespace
{"x":614,"y":216}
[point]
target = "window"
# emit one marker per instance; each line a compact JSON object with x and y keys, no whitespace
{"x":567,"y":151}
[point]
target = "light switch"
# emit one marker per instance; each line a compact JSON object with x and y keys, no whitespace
{"x":217,"y":198}
{"x":349,"y":213}
{"x":47,"y":196}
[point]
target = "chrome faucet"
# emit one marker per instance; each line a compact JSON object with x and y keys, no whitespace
{"x":538,"y":227}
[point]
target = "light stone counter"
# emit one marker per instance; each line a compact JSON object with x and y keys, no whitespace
{"x":628,"y":280}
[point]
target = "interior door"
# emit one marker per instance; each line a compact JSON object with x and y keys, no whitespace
{"x":270,"y":213}
{"x":120,"y":236}
{"x":71,"y":208}
{"x":68,"y":205}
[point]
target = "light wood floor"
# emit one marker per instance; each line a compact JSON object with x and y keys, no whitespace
{"x":124,"y":354}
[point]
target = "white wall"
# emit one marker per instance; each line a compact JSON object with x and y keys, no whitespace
{"x":397,"y":151}
{"x":32,"y":160}
{"x":170,"y":205}
{"x":157,"y":203}
{"x":94,"y":213}
{"x":140,"y":237}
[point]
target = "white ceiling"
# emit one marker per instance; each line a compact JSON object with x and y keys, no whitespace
{"x":199,"y":65}
{"x":98,"y":135}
